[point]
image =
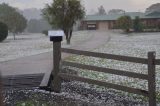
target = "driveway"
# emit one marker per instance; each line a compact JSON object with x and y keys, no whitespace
{"x":42,"y":63}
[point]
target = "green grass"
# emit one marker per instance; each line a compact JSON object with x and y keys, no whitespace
{"x":31,"y":103}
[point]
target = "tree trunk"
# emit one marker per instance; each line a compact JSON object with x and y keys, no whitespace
{"x":68,"y":41}
{"x":69,"y":37}
{"x":68,"y":34}
{"x":127,"y":30}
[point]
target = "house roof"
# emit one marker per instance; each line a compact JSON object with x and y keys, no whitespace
{"x":116,"y":16}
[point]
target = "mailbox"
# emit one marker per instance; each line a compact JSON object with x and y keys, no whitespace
{"x":56,"y":35}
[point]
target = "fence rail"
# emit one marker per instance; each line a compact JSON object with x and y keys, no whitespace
{"x":150,"y":77}
{"x":106,"y":70}
{"x":107,"y":56}
{"x":105,"y":84}
{"x":157,"y":62}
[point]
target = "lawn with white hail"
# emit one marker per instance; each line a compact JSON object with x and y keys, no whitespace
{"x":32,"y":44}
{"x":134,"y":45}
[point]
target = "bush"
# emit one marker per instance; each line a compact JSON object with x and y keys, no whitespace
{"x":45,"y":32}
{"x":3,"y":31}
{"x":125,"y":23}
{"x":137,"y":25}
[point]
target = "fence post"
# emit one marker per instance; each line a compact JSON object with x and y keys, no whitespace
{"x":1,"y":97}
{"x":56,"y":84}
{"x":151,"y":78}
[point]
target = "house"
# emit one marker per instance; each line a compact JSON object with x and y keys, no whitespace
{"x":106,"y":22}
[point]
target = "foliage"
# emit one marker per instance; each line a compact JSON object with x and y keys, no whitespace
{"x":116,"y":11}
{"x":31,"y":103}
{"x":137,"y":25}
{"x":125,"y":23}
{"x":21,"y":23}
{"x":37,"y":26}
{"x":101,"y":11}
{"x":153,"y":8}
{"x":63,"y":14}
{"x":14,"y":20}
{"x":3,"y":31}
{"x":45,"y":32}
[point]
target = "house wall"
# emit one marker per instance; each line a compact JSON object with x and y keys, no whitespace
{"x":100,"y":25}
{"x":86,"y":25}
{"x":150,"y":22}
{"x":106,"y":25}
{"x":112,"y":24}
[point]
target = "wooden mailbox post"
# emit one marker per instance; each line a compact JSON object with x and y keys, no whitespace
{"x":56,"y":37}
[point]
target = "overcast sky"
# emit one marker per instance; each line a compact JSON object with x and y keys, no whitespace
{"x":90,"y":5}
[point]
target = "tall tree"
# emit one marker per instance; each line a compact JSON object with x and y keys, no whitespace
{"x":125,"y":23}
{"x":14,"y":20}
{"x":101,"y":11}
{"x":153,"y":8}
{"x":63,"y":14}
{"x":116,"y":11}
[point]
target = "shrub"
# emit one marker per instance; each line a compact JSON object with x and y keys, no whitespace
{"x":45,"y":32}
{"x":125,"y":23}
{"x":137,"y":25}
{"x":3,"y":31}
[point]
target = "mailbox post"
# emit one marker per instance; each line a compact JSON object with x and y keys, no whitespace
{"x":56,"y":37}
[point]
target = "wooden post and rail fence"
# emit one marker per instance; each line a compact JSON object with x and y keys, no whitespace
{"x":1,"y":97}
{"x":151,"y":61}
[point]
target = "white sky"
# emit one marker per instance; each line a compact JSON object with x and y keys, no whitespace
{"x":90,"y":5}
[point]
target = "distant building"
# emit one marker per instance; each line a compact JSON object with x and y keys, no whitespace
{"x":105,"y":22}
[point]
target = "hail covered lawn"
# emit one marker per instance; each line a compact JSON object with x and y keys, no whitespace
{"x":135,"y":45}
{"x":32,"y":44}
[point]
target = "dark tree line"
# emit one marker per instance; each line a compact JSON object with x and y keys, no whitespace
{"x":15,"y":21}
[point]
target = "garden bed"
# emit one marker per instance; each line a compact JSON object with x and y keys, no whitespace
{"x":72,"y":94}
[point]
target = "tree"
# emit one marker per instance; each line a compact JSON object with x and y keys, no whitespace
{"x":101,"y":11}
{"x":116,"y":11}
{"x":125,"y":23}
{"x":3,"y":31}
{"x":21,"y":23}
{"x":14,"y":20}
{"x":153,"y":8}
{"x":63,"y":14}
{"x":137,"y":25}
